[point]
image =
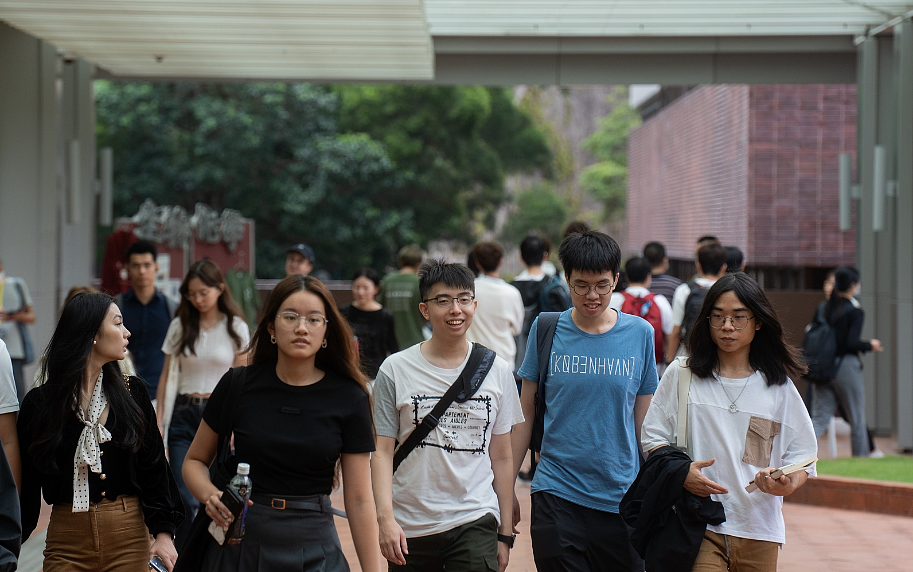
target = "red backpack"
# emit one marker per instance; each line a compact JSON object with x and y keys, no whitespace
{"x":647,"y":309}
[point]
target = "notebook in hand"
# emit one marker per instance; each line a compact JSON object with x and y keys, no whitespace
{"x":785,"y":471}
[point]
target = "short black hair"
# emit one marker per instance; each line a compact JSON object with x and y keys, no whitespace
{"x":734,"y":259}
{"x":655,"y":252}
{"x":487,"y":256}
{"x":707,"y":238}
{"x":712,"y":258}
{"x":533,"y":250}
{"x":141,"y":247}
{"x":638,"y":269}
{"x":591,"y":251}
{"x":575,"y":227}
{"x":439,"y":271}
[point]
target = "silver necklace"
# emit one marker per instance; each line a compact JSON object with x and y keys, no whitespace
{"x":732,"y":405}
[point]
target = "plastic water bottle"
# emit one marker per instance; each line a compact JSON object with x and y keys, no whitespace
{"x":242,"y":484}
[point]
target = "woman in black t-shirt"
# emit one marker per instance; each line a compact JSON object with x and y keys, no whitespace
{"x":90,"y":444}
{"x":303,"y":408}
{"x":371,"y":323}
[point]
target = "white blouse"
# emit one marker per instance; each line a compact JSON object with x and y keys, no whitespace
{"x":215,"y":354}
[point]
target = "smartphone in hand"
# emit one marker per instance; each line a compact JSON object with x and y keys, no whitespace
{"x":235,"y":504}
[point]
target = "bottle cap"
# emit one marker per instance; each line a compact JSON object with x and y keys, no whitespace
{"x":243,"y":469}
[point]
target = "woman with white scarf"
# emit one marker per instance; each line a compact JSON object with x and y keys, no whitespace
{"x":89,"y":442}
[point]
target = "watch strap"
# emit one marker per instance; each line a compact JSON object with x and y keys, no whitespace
{"x":507,"y":539}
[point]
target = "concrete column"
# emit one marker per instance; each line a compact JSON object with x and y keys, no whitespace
{"x":903,"y":42}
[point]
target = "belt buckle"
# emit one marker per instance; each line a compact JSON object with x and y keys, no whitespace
{"x":278,"y":504}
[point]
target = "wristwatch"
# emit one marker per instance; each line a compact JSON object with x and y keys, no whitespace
{"x":508,"y":540}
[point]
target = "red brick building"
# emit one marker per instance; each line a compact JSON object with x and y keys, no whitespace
{"x":755,"y":165}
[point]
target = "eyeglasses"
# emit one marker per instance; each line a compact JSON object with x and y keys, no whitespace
{"x":717,"y":321}
{"x":447,"y":301}
{"x":313,"y":322}
{"x":602,"y":288}
{"x":201,"y":294}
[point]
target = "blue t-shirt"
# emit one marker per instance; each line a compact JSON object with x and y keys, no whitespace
{"x":589,"y":449}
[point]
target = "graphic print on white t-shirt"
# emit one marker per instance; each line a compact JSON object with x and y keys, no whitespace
{"x":464,"y":426}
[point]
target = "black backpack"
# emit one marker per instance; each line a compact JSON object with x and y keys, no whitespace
{"x":555,"y":295}
{"x":692,"y":308}
{"x":820,"y":348}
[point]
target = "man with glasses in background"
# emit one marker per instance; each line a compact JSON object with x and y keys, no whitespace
{"x":447,"y":506}
{"x":601,"y":377}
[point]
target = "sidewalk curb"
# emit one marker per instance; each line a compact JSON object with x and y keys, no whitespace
{"x":856,"y":494}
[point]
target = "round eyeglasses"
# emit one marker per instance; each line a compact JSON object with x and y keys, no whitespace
{"x":602,"y":288}
{"x":717,"y":321}
{"x":290,"y":320}
{"x":447,"y":301}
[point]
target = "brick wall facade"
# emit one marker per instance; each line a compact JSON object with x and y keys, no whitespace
{"x":754,"y":165}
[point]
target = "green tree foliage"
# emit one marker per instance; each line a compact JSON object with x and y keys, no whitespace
{"x":540,"y":209}
{"x":451,"y":145}
{"x":355,"y":171}
{"x":607,"y":180}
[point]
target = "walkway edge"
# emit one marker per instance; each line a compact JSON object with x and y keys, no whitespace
{"x":856,"y":494}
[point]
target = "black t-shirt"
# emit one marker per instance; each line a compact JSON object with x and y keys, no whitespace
{"x":376,"y":336}
{"x":292,"y":436}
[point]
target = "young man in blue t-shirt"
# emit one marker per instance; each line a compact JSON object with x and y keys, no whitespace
{"x":601,"y":377}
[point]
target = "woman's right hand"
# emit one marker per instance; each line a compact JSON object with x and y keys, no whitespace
{"x":393,"y":544}
{"x":217,"y":511}
{"x":876,"y":346}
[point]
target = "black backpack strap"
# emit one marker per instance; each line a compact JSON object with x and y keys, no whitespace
{"x":467,"y":383}
{"x":227,"y":415}
{"x":545,"y":333}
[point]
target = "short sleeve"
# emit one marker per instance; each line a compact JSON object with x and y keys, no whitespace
{"x":243,"y":331}
{"x":661,"y":420}
{"x":26,"y":295}
{"x":529,"y":369}
{"x":173,"y":337}
{"x":357,"y":436}
{"x":510,"y":412}
{"x":9,"y":403}
{"x":213,"y":410}
{"x":386,"y":415}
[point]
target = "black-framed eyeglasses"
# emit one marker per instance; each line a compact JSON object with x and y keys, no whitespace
{"x":447,"y":301}
{"x":717,"y":321}
{"x":290,"y":320}
{"x":602,"y":288}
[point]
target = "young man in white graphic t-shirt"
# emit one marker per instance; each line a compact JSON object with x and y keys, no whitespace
{"x":448,"y":505}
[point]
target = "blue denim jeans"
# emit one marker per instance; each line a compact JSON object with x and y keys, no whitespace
{"x":184,"y":423}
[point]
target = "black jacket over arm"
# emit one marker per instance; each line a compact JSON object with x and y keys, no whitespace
{"x":668,"y":521}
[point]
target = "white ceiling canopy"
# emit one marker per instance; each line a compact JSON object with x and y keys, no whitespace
{"x":236,"y":39}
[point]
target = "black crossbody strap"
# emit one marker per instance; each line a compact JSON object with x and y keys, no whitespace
{"x":227,"y":415}
{"x":467,"y":383}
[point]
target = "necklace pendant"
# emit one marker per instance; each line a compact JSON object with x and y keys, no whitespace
{"x":733,"y":408}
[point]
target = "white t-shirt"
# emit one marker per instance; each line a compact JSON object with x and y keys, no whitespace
{"x":9,"y":403}
{"x":716,"y":433}
{"x":665,"y":310}
{"x":680,"y":298}
{"x":498,"y":318}
{"x":447,"y":480}
{"x":215,"y":354}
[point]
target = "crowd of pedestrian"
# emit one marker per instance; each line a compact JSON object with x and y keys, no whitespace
{"x":654,"y":414}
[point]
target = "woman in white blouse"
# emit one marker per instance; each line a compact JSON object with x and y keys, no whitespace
{"x":206,"y":338}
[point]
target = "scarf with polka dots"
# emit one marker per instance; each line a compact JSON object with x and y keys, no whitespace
{"x":88,"y":448}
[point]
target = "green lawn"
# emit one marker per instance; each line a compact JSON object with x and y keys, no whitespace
{"x":897,"y":469}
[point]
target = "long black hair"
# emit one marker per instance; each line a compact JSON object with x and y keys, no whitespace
{"x":64,"y":370}
{"x":769,"y":352}
{"x":845,"y":279}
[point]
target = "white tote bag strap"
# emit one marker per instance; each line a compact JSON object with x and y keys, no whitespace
{"x":684,"y":385}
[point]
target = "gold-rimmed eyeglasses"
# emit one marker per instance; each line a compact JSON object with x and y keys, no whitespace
{"x":290,"y":320}
{"x":717,"y":321}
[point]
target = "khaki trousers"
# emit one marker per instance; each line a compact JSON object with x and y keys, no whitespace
{"x":110,"y":537}
{"x":721,"y":553}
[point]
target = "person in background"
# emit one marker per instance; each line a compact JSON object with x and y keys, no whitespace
{"x":147,"y":313}
{"x":89,"y":442}
{"x":688,"y":297}
{"x":652,"y":307}
{"x":745,"y":419}
{"x":299,"y":259}
{"x":372,"y":323}
{"x":500,"y":305}
{"x":208,"y":337}
{"x":9,"y":408}
{"x":735,"y":260}
{"x":15,"y":309}
{"x":660,"y":282}
{"x":303,"y":410}
{"x":399,"y":294}
{"x":848,"y":388}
